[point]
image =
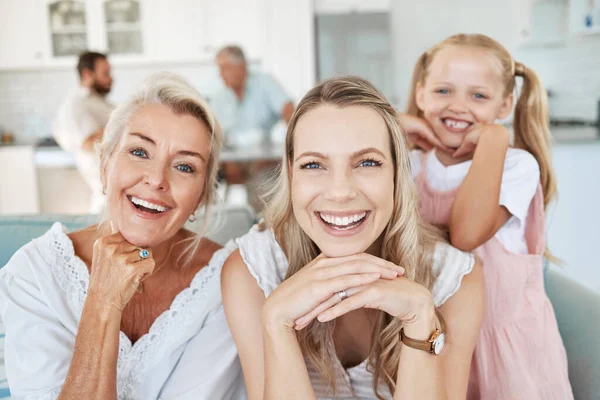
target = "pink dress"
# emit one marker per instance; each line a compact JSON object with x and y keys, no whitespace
{"x":520,"y":354}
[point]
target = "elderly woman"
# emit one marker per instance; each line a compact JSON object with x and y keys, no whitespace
{"x":130,"y":308}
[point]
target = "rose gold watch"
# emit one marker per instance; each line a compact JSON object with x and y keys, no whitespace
{"x":434,"y":345}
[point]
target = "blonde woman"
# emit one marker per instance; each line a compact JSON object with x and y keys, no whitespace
{"x":344,"y":291}
{"x":130,"y":308}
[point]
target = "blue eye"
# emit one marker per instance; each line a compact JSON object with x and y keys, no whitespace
{"x":479,"y":96}
{"x":310,"y":165}
{"x":370,"y":163}
{"x":185,"y":168}
{"x":139,"y":153}
{"x":442,"y":91}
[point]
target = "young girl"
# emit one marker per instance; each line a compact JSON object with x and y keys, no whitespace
{"x":491,"y":198}
{"x":341,"y":318}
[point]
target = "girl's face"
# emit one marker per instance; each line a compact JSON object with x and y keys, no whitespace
{"x":342,"y":178}
{"x":463,"y":88}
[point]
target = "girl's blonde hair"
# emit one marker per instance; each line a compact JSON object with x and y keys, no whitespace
{"x":407,"y":240}
{"x":174,"y":92}
{"x":531,"y":121}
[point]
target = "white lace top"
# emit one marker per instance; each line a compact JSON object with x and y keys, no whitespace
{"x":188,"y":352}
{"x":268,"y":265}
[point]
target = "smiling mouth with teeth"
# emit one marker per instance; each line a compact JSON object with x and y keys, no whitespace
{"x":343,"y":223}
{"x":455,"y":124}
{"x":146,"y":206}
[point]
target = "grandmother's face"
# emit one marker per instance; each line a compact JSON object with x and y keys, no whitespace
{"x":155,"y":178}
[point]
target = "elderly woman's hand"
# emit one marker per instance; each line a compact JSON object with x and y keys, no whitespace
{"x":117,"y":269}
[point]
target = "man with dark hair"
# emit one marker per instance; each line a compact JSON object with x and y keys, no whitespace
{"x":81,"y":118}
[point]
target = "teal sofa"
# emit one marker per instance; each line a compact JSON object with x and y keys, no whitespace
{"x":577,"y":308}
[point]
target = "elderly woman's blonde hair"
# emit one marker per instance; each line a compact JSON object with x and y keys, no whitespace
{"x":408,"y":241}
{"x":173,"y":91}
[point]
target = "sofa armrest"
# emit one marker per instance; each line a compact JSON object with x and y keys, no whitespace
{"x":577,"y":310}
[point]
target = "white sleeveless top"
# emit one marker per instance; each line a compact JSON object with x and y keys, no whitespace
{"x":268,"y":265}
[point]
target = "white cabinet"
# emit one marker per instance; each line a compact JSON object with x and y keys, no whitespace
{"x":21,"y":34}
{"x":236,"y":22}
{"x":175,"y":31}
{"x":546,"y":23}
{"x":45,"y":33}
{"x":584,"y":17}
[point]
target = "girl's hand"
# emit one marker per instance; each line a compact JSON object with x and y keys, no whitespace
{"x":471,"y":139}
{"x":419,"y":133}
{"x":320,"y":280}
{"x":401,"y":298}
{"x":469,"y":143}
{"x":117,"y":269}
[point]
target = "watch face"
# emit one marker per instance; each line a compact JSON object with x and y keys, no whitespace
{"x":438,"y":344}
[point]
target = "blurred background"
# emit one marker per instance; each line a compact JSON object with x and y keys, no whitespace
{"x":297,"y":42}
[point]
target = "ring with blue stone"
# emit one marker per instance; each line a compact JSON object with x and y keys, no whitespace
{"x":144,"y":254}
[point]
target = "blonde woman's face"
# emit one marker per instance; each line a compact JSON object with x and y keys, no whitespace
{"x":464,"y":87}
{"x":342,"y":178}
{"x":155,"y":177}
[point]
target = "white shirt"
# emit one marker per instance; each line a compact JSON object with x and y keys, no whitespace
{"x":187,"y":354}
{"x":520,"y":178}
{"x":268,"y":265}
{"x":81,"y":114}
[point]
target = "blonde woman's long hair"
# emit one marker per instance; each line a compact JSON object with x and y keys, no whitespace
{"x":531,"y":121}
{"x":407,"y":240}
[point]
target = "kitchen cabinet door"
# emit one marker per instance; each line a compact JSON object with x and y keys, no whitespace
{"x":21,"y":34}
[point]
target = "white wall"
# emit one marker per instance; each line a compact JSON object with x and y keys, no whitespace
{"x":30,"y":99}
{"x":289,"y":52}
{"x":417,"y":25}
{"x":573,"y":223}
{"x":571,"y":71}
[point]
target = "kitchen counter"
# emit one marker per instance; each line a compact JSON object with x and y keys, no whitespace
{"x":575,"y":134}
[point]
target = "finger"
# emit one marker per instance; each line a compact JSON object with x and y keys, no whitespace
{"x":139,"y":270}
{"x":365,"y":257}
{"x":354,"y":267}
{"x":113,"y":229}
{"x":431,"y":138}
{"x":115,"y":237}
{"x":325,"y":289}
{"x":303,"y":321}
{"x":463,"y":150}
{"x":360,"y":300}
{"x":145,"y":266}
{"x":131,"y":254}
{"x":424,"y":144}
{"x":437,"y":143}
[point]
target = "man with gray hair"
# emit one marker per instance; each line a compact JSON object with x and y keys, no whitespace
{"x":250,"y":100}
{"x":248,"y":108}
